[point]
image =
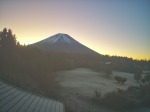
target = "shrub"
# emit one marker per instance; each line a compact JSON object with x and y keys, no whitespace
{"x":137,"y":73}
{"x":120,"y":79}
{"x":145,"y":94}
{"x":97,"y":93}
{"x":147,"y":78}
{"x":118,"y":101}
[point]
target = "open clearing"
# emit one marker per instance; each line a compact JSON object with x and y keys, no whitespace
{"x":79,"y":84}
{"x":84,"y":82}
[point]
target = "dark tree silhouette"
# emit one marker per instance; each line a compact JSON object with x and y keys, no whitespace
{"x":120,"y":79}
{"x":7,"y":40}
{"x":11,"y":39}
{"x":137,"y":73}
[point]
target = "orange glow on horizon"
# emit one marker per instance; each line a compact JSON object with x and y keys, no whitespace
{"x":100,"y":49}
{"x":114,"y":28}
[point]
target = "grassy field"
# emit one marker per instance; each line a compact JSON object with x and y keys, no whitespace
{"x":80,"y":84}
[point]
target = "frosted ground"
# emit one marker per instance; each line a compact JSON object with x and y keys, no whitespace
{"x":79,"y":84}
{"x":84,"y":82}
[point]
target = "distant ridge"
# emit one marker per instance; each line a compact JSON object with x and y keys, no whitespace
{"x":63,"y":43}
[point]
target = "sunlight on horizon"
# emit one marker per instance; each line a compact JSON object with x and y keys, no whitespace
{"x":114,"y":28}
{"x":101,"y":50}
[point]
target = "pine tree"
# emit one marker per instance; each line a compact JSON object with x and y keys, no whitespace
{"x":11,"y":39}
{"x":3,"y":38}
{"x":7,"y":40}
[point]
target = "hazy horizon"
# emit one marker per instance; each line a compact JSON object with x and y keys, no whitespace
{"x":115,"y":27}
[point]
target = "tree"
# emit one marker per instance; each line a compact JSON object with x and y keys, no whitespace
{"x":7,"y":40}
{"x":137,"y":73}
{"x":11,"y":38}
{"x":146,"y":79}
{"x":123,"y":80}
{"x":3,"y":38}
{"x":120,"y":79}
{"x":108,"y":70}
{"x":97,"y":93}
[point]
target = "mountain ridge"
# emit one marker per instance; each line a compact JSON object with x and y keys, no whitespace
{"x":61,"y":42}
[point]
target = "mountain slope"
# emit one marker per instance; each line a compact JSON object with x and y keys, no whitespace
{"x":62,"y":43}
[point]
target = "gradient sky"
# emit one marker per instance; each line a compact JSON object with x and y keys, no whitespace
{"x":114,"y":27}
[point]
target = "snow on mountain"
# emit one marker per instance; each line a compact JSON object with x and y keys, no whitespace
{"x":62,"y":43}
{"x":58,"y":38}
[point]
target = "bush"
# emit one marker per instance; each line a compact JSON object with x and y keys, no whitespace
{"x":137,"y":73}
{"x":118,"y":101}
{"x":145,"y":94}
{"x":120,"y":79}
{"x":147,"y":78}
{"x":97,"y":93}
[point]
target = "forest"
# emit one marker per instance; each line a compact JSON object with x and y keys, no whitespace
{"x":29,"y":68}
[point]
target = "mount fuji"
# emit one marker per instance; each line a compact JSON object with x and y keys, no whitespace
{"x":63,"y":43}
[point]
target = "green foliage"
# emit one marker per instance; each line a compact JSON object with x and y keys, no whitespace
{"x":120,"y":79}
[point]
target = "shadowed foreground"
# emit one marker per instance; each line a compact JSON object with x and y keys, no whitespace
{"x":13,"y":99}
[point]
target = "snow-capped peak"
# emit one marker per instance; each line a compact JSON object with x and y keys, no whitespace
{"x":62,"y":43}
{"x":60,"y":37}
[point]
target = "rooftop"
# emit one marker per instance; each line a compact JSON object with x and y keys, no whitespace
{"x":13,"y":99}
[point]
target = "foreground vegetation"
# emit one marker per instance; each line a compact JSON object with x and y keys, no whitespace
{"x":35,"y":70}
{"x":28,"y":67}
{"x":133,"y":98}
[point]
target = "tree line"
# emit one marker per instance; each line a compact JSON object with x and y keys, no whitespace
{"x":28,"y":67}
{"x":35,"y":70}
